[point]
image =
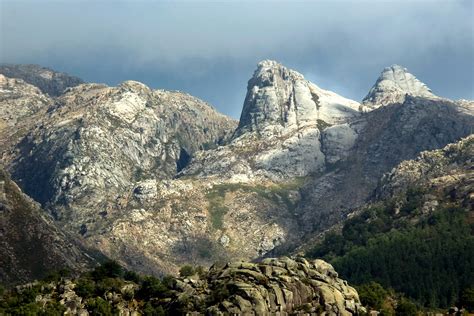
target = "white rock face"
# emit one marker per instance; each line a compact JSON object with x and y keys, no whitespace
{"x":337,"y":141}
{"x":279,"y":134}
{"x":391,"y":87}
{"x":280,"y":101}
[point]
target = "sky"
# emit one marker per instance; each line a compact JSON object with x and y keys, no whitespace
{"x":211,"y":48}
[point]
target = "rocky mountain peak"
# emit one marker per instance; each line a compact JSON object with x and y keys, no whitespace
{"x":280,"y":100}
{"x":134,"y":86}
{"x":391,"y":87}
{"x":50,"y":82}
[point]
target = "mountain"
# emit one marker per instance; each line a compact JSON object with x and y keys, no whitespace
{"x":390,"y":134}
{"x":50,"y":82}
{"x":281,"y":129}
{"x":156,"y":179}
{"x":83,"y":155}
{"x":394,"y":83}
{"x":31,"y":245}
{"x":279,"y":101}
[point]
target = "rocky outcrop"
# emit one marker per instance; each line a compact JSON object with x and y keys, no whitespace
{"x":274,"y":286}
{"x":279,"y":100}
{"x":30,"y":244}
{"x":22,"y":107}
{"x":48,"y":81}
{"x":394,"y":83}
{"x":449,"y":167}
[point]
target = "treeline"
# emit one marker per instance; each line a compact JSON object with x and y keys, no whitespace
{"x":429,"y":258}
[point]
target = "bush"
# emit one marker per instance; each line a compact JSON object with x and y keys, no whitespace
{"x":372,"y":294}
{"x":186,"y":271}
{"x":108,"y":269}
{"x":152,"y":288}
{"x":150,"y":310}
{"x":467,"y":299}
{"x":131,"y":276}
{"x":108,"y":285}
{"x":406,"y":308}
{"x":85,"y":288}
{"x":98,"y":306}
{"x":55,"y":276}
{"x":53,"y":309}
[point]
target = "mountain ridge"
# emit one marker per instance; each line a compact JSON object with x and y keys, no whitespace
{"x":191,"y":183}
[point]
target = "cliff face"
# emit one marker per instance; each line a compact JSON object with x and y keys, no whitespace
{"x":283,"y":123}
{"x":96,"y":142}
{"x":22,"y":107}
{"x":391,"y":134}
{"x":279,"y":100}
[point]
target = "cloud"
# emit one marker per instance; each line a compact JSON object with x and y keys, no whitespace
{"x":211,"y":48}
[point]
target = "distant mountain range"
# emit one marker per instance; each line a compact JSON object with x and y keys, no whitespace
{"x":157,"y":179}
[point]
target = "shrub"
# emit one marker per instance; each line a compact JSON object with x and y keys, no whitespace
{"x":406,"y":308}
{"x":152,"y":288}
{"x":150,"y":310}
{"x":186,"y":271}
{"x":467,"y":299}
{"x":85,"y":288}
{"x":99,"y":306}
{"x":131,"y":276}
{"x":108,"y":269}
{"x":53,"y":309}
{"x":372,"y":294}
{"x":109,"y":285}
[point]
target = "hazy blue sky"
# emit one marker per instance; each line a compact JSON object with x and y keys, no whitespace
{"x":210,"y":49}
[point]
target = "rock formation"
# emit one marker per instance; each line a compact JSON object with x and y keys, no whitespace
{"x":394,"y":83}
{"x":274,"y":286}
{"x":449,"y":167}
{"x":280,"y":129}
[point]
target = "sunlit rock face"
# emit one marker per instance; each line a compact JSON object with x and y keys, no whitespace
{"x":281,"y":101}
{"x":283,"y":121}
{"x":394,"y":83}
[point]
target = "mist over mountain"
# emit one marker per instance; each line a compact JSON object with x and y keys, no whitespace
{"x":208,"y":49}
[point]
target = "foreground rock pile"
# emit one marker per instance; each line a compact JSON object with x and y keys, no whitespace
{"x":273,"y":286}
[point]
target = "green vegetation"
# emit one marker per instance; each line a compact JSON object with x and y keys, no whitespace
{"x":275,"y":193}
{"x":102,"y":291}
{"x":186,"y":271}
{"x":428,"y":257}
